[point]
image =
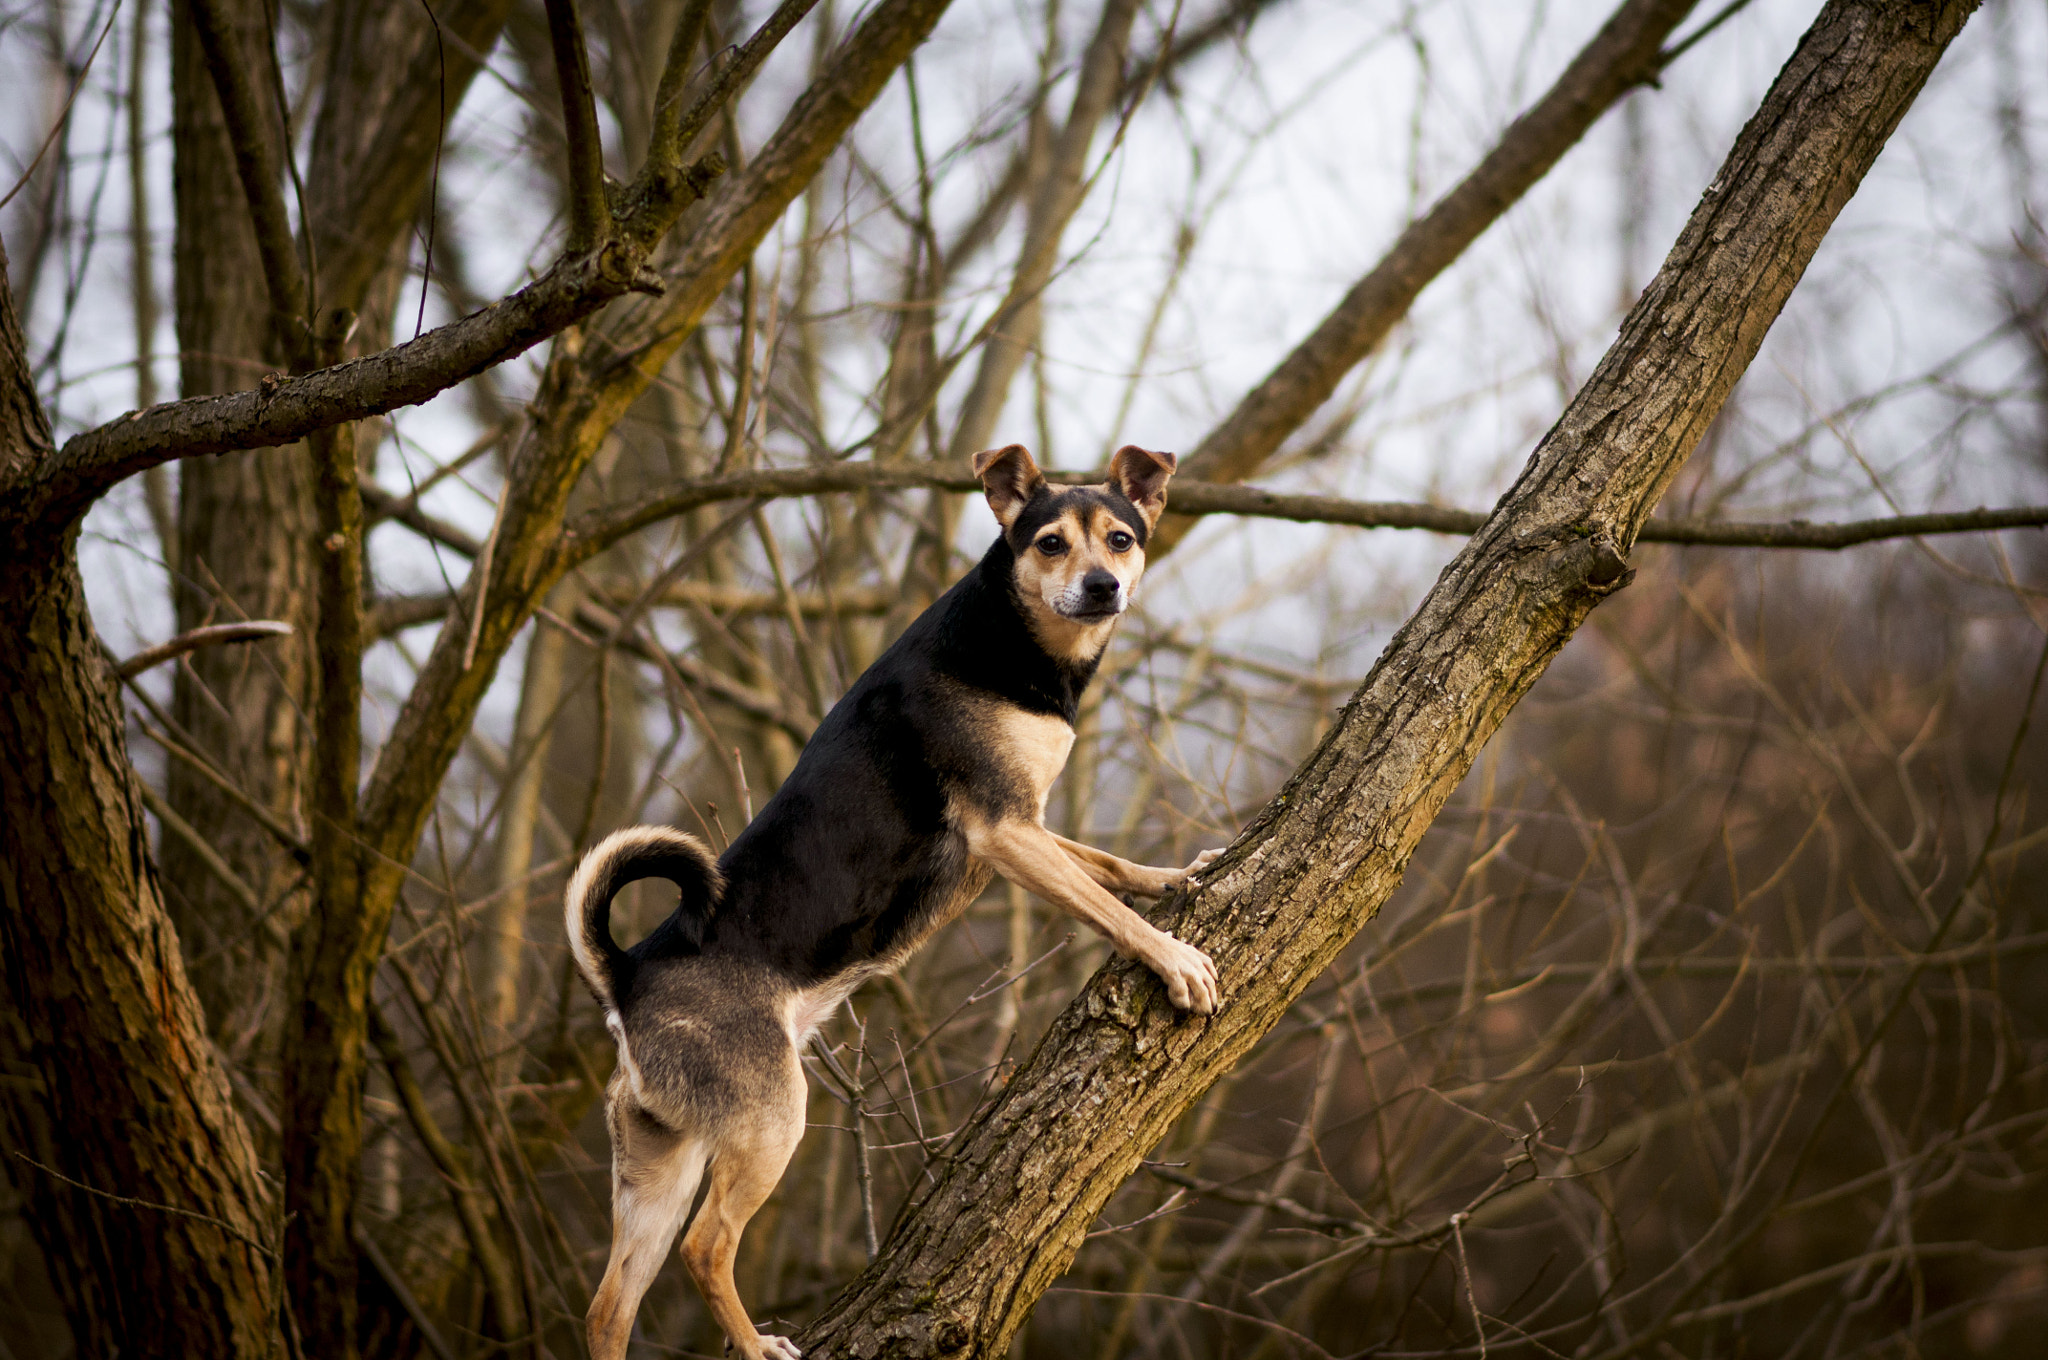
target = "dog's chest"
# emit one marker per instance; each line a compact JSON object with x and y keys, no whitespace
{"x":1034,"y":746}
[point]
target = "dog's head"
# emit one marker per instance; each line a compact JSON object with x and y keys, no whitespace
{"x":1079,"y":549}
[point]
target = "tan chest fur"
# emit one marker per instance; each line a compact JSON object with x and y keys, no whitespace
{"x":1034,"y":745}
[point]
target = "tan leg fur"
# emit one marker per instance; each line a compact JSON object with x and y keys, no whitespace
{"x":654,"y":1178}
{"x":750,"y":1161}
{"x":1120,"y":875}
{"x":1040,"y":862}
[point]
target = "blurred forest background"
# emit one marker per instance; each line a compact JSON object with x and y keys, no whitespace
{"x":1712,"y":1018}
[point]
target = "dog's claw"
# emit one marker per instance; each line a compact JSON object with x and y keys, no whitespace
{"x":779,"y":1348}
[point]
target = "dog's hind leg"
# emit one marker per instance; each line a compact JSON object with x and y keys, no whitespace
{"x":655,"y":1173}
{"x":751,"y":1154}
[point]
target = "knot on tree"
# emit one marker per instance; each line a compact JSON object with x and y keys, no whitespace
{"x":1120,"y":997}
{"x":618,"y":264}
{"x":707,"y":168}
{"x":1596,"y":560}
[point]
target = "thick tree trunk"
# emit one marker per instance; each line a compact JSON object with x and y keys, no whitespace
{"x":1003,"y":1217}
{"x":245,"y":526}
{"x":153,"y":1177}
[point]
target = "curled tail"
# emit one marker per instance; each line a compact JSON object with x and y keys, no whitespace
{"x":626,"y":857}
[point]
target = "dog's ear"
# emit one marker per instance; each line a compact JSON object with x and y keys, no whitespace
{"x":1142,"y":474}
{"x":1009,"y":479}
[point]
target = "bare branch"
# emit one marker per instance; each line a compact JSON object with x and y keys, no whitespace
{"x":253,"y":131}
{"x":1624,"y":53}
{"x":656,"y":183}
{"x":665,"y":144}
{"x":1799,"y":533}
{"x":288,"y":409}
{"x":590,"y":215}
{"x":600,"y":529}
{"x":203,"y":851}
{"x":212,"y":636}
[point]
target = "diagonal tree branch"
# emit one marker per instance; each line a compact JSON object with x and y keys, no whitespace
{"x":1003,"y":1216}
{"x":289,"y":409}
{"x":1059,"y":195}
{"x":1625,"y":53}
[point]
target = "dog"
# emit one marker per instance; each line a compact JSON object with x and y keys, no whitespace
{"x":926,"y":778}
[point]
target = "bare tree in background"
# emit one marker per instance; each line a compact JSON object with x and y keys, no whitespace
{"x":1703,"y":1024}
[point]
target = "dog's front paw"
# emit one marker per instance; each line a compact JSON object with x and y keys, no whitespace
{"x":1189,"y":975}
{"x":779,"y":1348}
{"x":1169,"y":879}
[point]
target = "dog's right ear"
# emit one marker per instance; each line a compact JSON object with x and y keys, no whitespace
{"x":1009,"y":479}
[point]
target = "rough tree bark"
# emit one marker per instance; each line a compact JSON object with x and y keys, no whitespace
{"x":1003,"y":1216}
{"x":159,"y":1178}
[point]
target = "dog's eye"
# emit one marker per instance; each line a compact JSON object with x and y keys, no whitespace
{"x":1052,"y":545}
{"x":1119,"y":541}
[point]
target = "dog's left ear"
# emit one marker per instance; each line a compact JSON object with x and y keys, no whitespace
{"x":1142,"y":474}
{"x":1009,"y":478}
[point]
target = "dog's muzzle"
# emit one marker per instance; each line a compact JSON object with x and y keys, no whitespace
{"x":1098,"y":595}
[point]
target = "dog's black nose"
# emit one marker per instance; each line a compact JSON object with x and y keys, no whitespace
{"x":1100,"y":586}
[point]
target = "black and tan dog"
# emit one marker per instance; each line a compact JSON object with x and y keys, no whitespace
{"x":927,"y":777}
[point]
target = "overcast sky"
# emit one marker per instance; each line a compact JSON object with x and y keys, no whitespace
{"x":1293,"y":159}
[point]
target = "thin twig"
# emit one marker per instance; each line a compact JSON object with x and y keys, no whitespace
{"x":213,"y":635}
{"x":131,"y":1202}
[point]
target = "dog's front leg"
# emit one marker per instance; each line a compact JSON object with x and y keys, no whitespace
{"x":1037,"y":861}
{"x":1120,"y":875}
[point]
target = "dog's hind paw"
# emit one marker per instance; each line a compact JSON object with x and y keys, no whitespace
{"x":779,"y":1348}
